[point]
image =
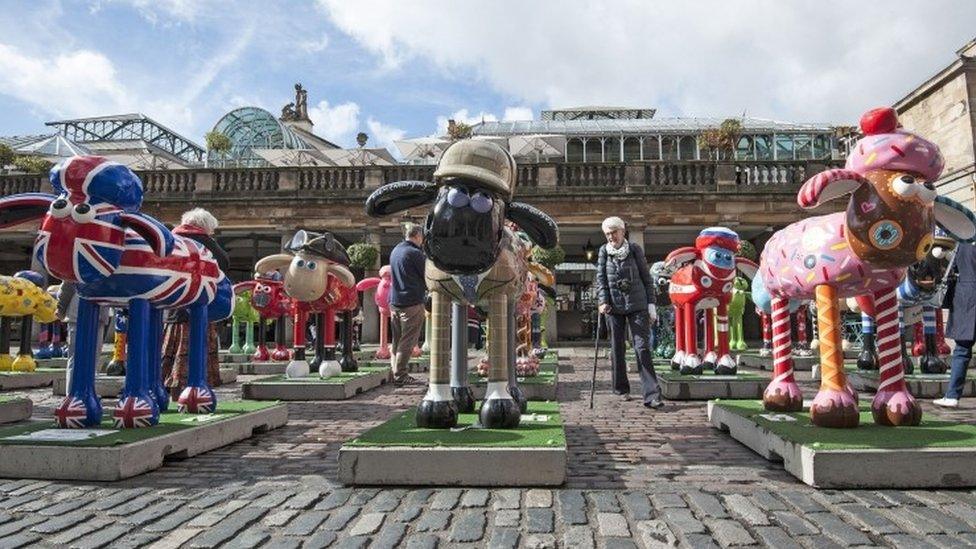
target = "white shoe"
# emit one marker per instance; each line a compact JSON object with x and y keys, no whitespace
{"x":947,"y":402}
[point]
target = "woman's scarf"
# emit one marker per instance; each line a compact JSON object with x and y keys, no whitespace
{"x":620,"y":253}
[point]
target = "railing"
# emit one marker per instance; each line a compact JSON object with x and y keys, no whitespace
{"x":679,"y":175}
{"x":527,"y":176}
{"x":333,"y":179}
{"x":590,"y":175}
{"x":770,"y":173}
{"x":246,"y":180}
{"x":169,"y":182}
{"x":13,"y":184}
{"x":408,"y":173}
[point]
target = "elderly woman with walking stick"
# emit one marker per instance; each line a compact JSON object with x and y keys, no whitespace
{"x":627,"y":298}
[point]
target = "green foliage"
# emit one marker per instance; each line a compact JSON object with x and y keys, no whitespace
{"x":32,"y":164}
{"x":549,"y":258}
{"x":363,"y":255}
{"x":217,"y":142}
{"x":748,"y":250}
{"x":458,"y":130}
{"x":723,"y":139}
{"x":6,"y":155}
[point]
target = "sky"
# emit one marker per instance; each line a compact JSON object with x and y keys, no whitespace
{"x":402,"y":68}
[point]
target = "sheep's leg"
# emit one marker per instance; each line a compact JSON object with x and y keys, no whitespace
{"x":725,"y":364}
{"x":868,"y":357}
{"x":5,"y":359}
{"x":710,"y":356}
{"x":348,"y":362}
{"x":941,"y":345}
{"x":513,"y":389}
{"x":197,"y":397}
{"x":156,"y":388}
{"x":691,"y":365}
{"x":81,"y":407}
{"x":499,"y":410}
{"x":25,"y":356}
{"x":893,"y":405}
{"x":460,"y":389}
{"x":136,"y":406}
{"x":438,"y":410}
{"x":248,"y":348}
{"x":836,"y":403}
{"x":802,"y":342}
{"x":906,"y":360}
{"x":261,"y":353}
{"x":679,"y":338}
{"x":918,"y":345}
{"x":930,"y":363}
{"x":767,"y":333}
{"x":281,"y":351}
{"x":298,"y":367}
{"x":383,"y":353}
{"x":782,"y":394}
{"x":235,"y":337}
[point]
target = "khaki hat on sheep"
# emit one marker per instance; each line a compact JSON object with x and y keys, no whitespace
{"x":481,"y":161}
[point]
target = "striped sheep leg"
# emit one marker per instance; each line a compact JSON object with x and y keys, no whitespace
{"x":725,"y":365}
{"x":691,"y":365}
{"x":893,"y":405}
{"x":835,"y":404}
{"x":767,"y":333}
{"x":438,"y":410}
{"x":709,"y":356}
{"x":679,"y":338}
{"x":930,"y":363}
{"x":782,"y":394}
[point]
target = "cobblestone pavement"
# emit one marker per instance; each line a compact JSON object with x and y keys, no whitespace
{"x":636,"y":478}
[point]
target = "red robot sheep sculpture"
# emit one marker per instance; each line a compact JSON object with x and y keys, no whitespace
{"x":703,"y":279}
{"x":864,"y":251}
{"x":269,"y":299}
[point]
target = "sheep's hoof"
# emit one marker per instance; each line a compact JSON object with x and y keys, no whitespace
{"x":500,"y":413}
{"x":437,"y":414}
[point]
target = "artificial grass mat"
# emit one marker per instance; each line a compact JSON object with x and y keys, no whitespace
{"x":932,"y":433}
{"x":709,"y":375}
{"x":547,"y":376}
{"x":169,"y":422}
{"x":403,"y":431}
{"x":874,"y":374}
{"x":338,"y":379}
{"x":4,"y":399}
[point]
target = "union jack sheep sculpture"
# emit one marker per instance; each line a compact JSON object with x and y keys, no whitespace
{"x":92,"y":234}
{"x":864,"y":251}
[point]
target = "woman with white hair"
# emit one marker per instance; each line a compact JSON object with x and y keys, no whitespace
{"x":627,"y":297}
{"x":199,"y":225}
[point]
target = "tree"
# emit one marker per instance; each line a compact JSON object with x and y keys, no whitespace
{"x":6,"y":156}
{"x":217,"y":143}
{"x":748,"y":250}
{"x":549,"y":258}
{"x":363,"y":255}
{"x":32,"y":164}
{"x":721,"y":140}
{"x":458,"y":130}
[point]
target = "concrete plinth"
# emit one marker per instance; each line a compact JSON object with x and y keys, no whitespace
{"x":339,"y":387}
{"x":260,"y":368}
{"x":399,"y":453}
{"x":224,"y":356}
{"x":919,"y":385}
{"x":41,"y":377}
{"x":52,"y":363}
{"x":111,"y":386}
{"x":540,"y":387}
{"x":891,"y":463}
{"x":415,"y":366}
{"x":119,"y":454}
{"x":675,"y":386}
{"x":15,"y":409}
{"x":753,"y":360}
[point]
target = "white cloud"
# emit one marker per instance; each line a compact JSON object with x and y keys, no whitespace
{"x":155,"y":10}
{"x":314,"y":46}
{"x":517,"y":113}
{"x":80,"y":83}
{"x":463,"y":116}
{"x":826,"y":61}
{"x":338,"y":123}
{"x":383,"y":135}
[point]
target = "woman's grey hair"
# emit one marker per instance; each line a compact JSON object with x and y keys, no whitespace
{"x":412,"y":230}
{"x":199,"y":217}
{"x":614,"y":223}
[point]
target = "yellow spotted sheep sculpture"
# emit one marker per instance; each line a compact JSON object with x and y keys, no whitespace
{"x":22,"y":296}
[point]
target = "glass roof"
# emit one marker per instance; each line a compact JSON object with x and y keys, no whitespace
{"x":254,"y":128}
{"x":52,"y":145}
{"x":640,"y":126}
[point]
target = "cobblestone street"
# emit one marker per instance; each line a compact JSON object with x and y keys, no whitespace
{"x":636,"y":478}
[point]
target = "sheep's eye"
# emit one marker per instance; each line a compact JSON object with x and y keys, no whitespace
{"x":83,"y":213}
{"x":59,"y":208}
{"x":300,"y":263}
{"x":311,"y":265}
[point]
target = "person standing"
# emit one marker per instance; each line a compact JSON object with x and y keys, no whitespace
{"x":962,"y":321}
{"x":627,"y":297}
{"x":197,"y":224}
{"x":407,"y":263}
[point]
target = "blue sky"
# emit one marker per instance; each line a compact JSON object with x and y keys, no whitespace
{"x":401,"y":68}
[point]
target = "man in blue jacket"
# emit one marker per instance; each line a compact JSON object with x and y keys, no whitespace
{"x":962,"y":321}
{"x":407,"y":298}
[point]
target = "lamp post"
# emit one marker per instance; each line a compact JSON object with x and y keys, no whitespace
{"x":589,"y":251}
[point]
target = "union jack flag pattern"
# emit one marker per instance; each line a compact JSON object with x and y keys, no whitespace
{"x":72,"y":414}
{"x":197,"y":400}
{"x":134,"y":412}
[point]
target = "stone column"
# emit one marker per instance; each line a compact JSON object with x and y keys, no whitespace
{"x":371,"y":314}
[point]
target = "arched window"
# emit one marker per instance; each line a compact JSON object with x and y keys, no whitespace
{"x":688,"y":148}
{"x":669,"y":148}
{"x":611,"y":149}
{"x":652,"y":148}
{"x":574,"y":150}
{"x":594,"y":150}
{"x":632,"y":149}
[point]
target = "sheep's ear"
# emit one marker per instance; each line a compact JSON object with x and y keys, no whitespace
{"x":541,"y":228}
{"x":957,"y":220}
{"x":681,"y":256}
{"x":828,"y":185}
{"x":397,"y":197}
{"x":747,"y":267}
{"x":246,"y":286}
{"x":343,"y":274}
{"x":21,"y":208}
{"x":273,"y":262}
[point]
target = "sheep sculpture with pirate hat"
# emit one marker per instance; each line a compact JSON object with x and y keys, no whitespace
{"x":471,"y":259}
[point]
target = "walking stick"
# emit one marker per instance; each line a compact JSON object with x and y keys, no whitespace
{"x":596,"y":355}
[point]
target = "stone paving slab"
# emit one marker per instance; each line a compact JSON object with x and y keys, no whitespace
{"x":938,"y":467}
{"x":919,"y":385}
{"x":15,"y":409}
{"x":275,"y":388}
{"x":706,"y":387}
{"x":52,"y":362}
{"x":28,"y":380}
{"x":751,"y":359}
{"x":116,"y":462}
{"x":110,"y":386}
